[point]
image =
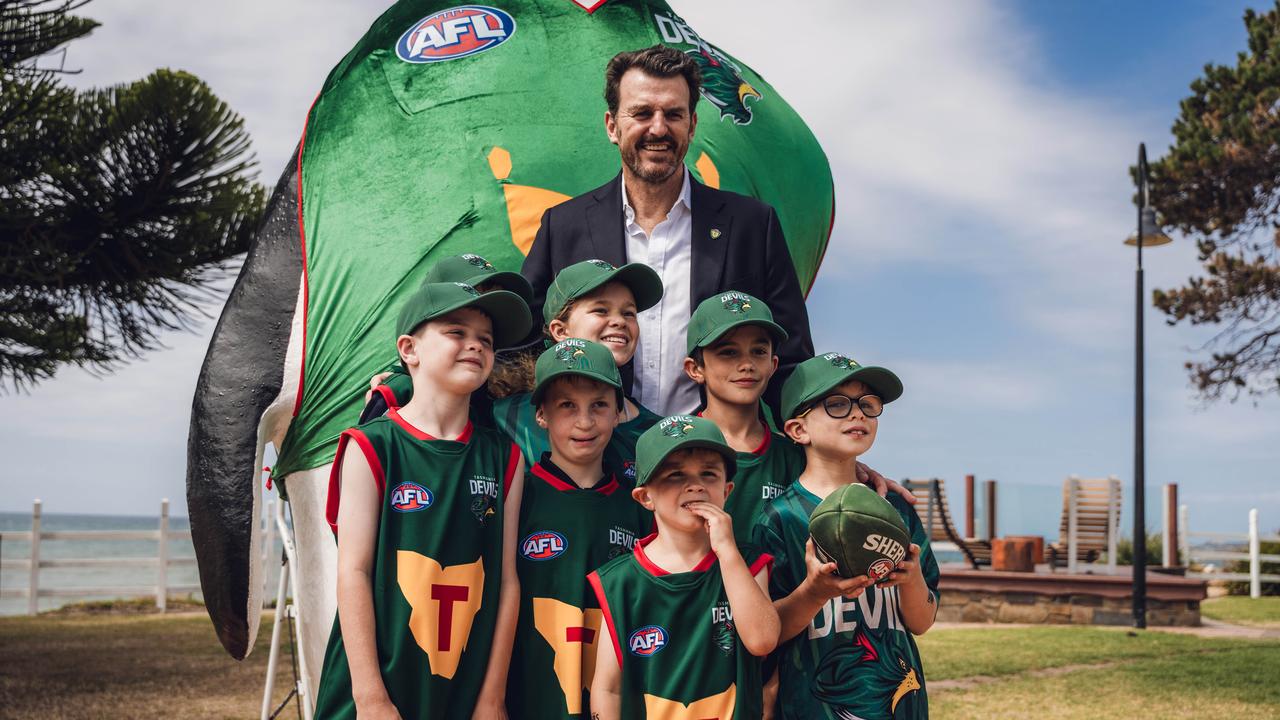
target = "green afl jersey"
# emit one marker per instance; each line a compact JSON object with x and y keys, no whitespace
{"x":437,"y":566}
{"x":675,"y":639}
{"x":565,"y":532}
{"x":515,"y":416}
{"x":762,"y":475}
{"x":856,"y":658}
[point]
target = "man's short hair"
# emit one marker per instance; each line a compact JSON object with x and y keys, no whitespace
{"x":659,"y":61}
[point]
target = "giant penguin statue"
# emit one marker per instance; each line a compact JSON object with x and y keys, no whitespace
{"x":446,"y":129}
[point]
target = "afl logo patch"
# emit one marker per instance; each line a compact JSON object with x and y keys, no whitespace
{"x":879,"y":569}
{"x":647,"y":641}
{"x":454,"y":33}
{"x":543,"y":545}
{"x":411,"y":497}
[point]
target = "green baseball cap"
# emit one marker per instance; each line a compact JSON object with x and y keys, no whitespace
{"x":721,"y":313}
{"x":817,"y":376}
{"x":509,"y":313}
{"x":574,"y":356}
{"x":680,"y":432}
{"x":581,"y":278}
{"x":474,"y":270}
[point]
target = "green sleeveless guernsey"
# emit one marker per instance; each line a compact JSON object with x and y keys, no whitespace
{"x":565,"y":533}
{"x":514,"y":415}
{"x":856,"y":658}
{"x":674,"y":635}
{"x":762,"y":475}
{"x":437,"y":566}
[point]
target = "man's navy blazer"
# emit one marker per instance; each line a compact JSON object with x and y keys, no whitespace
{"x":748,"y":254}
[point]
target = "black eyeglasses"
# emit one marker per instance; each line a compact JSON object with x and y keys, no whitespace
{"x":839,"y":406}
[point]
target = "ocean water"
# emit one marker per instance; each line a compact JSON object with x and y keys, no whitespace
{"x":140,"y":577}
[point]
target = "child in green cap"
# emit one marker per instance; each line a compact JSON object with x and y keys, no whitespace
{"x":591,"y":300}
{"x":731,"y":344}
{"x":595,"y":301}
{"x":687,"y":613}
{"x":575,"y":515}
{"x":848,"y":647}
{"x":425,"y":516}
{"x":393,"y":387}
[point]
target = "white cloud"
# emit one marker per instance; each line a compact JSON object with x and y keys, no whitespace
{"x":958,"y":387}
{"x":949,"y":148}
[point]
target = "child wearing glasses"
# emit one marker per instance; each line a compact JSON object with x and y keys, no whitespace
{"x":847,"y":647}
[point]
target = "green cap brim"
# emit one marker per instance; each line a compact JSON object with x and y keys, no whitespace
{"x":726,"y":452}
{"x":508,"y":313}
{"x":506,"y":280}
{"x":540,"y":390}
{"x":640,"y":279}
{"x":779,"y":335}
{"x":881,"y":381}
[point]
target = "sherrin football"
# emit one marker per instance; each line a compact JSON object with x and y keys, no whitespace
{"x":860,"y":532}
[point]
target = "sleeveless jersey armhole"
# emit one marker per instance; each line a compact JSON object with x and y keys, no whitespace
{"x":388,"y":396}
{"x":513,"y":459}
{"x":765,"y":563}
{"x":335,"y":474}
{"x":598,"y":588}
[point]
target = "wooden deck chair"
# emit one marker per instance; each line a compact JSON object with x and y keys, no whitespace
{"x":935,"y":515}
{"x":1090,"y":521}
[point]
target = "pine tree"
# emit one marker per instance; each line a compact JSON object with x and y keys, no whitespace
{"x":119,"y":207}
{"x":1220,"y":184}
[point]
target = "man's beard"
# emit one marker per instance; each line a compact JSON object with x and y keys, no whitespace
{"x":652,"y":172}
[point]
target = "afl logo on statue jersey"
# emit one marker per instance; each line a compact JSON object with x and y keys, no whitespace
{"x":647,"y":641}
{"x":454,"y":33}
{"x":543,"y":545}
{"x":411,"y":497}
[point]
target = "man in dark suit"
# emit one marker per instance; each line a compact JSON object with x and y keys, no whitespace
{"x":702,"y":241}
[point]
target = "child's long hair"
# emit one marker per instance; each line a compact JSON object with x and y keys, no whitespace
{"x":513,"y":373}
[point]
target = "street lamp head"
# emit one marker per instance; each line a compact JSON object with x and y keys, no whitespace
{"x":1152,"y":235}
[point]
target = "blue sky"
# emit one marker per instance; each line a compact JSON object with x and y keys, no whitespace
{"x":980,"y":153}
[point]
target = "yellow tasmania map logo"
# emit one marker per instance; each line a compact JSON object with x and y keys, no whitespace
{"x":717,"y":706}
{"x":445,"y":601}
{"x":572,"y":634}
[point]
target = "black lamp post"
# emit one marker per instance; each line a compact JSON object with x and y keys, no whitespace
{"x":1150,"y":235}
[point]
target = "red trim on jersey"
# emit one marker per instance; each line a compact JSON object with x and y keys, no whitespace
{"x":512,"y":461}
{"x":831,"y":226}
{"x":703,"y":565}
{"x":555,"y":482}
{"x":335,"y":473}
{"x":593,"y":7}
{"x":706,"y":563}
{"x":764,"y":444}
{"x":594,"y":580}
{"x":302,"y":241}
{"x":394,"y":414}
{"x":388,"y":396}
{"x":764,"y":562}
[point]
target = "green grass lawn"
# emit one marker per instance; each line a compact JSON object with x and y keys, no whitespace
{"x":129,"y":665}
{"x":81,"y":665}
{"x":1076,"y":672}
{"x":1263,"y":612}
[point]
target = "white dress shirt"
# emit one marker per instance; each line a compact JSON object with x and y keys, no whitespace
{"x":659,"y":381}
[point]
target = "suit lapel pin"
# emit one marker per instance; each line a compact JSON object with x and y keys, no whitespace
{"x":715,"y":233}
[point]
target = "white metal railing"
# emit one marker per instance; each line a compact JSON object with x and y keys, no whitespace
{"x":1253,"y":556}
{"x":34,"y":564}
